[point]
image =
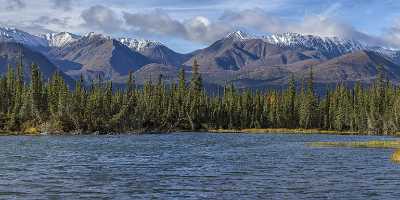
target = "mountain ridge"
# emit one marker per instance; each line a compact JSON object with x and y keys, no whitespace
{"x":12,"y":53}
{"x":290,"y":39}
{"x":239,"y":57}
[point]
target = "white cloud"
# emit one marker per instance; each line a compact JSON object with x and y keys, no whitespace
{"x":202,"y":29}
{"x":256,"y":19}
{"x":324,"y":25}
{"x":62,"y":4}
{"x":393,"y":35}
{"x":157,"y":22}
{"x":101,"y":18}
{"x":15,"y":4}
{"x":199,"y":28}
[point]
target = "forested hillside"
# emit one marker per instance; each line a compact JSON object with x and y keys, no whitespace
{"x":51,"y":106}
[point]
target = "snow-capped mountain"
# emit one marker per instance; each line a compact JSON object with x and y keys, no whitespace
{"x":137,"y":44}
{"x":391,"y":54}
{"x":334,"y":45}
{"x":330,"y":46}
{"x":239,"y":35}
{"x":96,"y":35}
{"x":44,"y":40}
{"x":19,"y":36}
{"x":60,"y":39}
{"x":259,"y":59}
{"x":155,"y":51}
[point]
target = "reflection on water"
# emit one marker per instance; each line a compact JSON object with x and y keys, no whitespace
{"x":194,"y":166}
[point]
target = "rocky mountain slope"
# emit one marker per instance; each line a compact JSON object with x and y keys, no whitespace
{"x":239,"y":58}
{"x":60,"y":40}
{"x":19,"y":36}
{"x":95,"y":55}
{"x":155,"y":51}
{"x":12,"y":53}
{"x":250,"y":61}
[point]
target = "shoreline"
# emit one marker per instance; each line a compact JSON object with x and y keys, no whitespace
{"x":298,"y":131}
{"x":242,"y":131}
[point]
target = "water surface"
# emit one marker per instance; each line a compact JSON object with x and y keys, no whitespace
{"x":194,"y":166}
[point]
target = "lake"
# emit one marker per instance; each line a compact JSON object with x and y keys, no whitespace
{"x":194,"y":166}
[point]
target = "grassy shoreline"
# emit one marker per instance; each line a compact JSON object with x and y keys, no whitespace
{"x":36,"y":132}
{"x":295,"y":131}
{"x":381,"y":144}
{"x":376,"y":144}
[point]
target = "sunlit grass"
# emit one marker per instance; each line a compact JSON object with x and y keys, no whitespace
{"x":31,"y":131}
{"x":284,"y":130}
{"x":396,"y":156}
{"x":224,"y":131}
{"x":298,"y":130}
{"x":368,"y":144}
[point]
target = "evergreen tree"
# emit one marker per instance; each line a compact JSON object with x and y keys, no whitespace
{"x":36,"y":94}
{"x":307,"y":115}
{"x":52,"y":106}
{"x":195,"y":94}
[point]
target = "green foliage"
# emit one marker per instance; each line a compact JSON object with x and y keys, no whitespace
{"x":184,"y":105}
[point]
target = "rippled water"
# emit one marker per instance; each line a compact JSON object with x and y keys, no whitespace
{"x":193,"y":166}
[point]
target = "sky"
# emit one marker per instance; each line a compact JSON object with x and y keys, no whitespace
{"x":186,"y":25}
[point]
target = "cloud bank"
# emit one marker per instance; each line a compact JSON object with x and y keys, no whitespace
{"x":62,"y":4}
{"x":393,"y":35}
{"x":203,"y":30}
{"x":101,"y":18}
{"x":15,"y":4}
{"x":198,"y":29}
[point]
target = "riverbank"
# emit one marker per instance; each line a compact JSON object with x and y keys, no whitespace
{"x":37,"y":132}
{"x":377,"y":144}
{"x":295,"y":131}
{"x":382,"y":144}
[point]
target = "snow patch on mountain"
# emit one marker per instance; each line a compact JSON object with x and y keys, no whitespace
{"x":323,"y":44}
{"x":92,"y":35}
{"x":18,"y":36}
{"x":60,"y":39}
{"x":137,"y":44}
{"x":333,"y":46}
{"x":64,"y":38}
{"x":239,"y":35}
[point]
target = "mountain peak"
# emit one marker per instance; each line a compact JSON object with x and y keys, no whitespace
{"x":9,"y":29}
{"x":291,"y":38}
{"x":238,"y":35}
{"x":139,"y":44}
{"x":91,"y":35}
{"x":329,"y":45}
{"x":60,"y":39}
{"x":15,"y":35}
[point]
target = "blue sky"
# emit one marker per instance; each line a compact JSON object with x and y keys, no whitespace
{"x":185,"y":25}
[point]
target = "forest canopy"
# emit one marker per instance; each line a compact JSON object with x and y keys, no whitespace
{"x":50,"y":106}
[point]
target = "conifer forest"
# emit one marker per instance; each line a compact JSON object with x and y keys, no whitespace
{"x":50,"y":105}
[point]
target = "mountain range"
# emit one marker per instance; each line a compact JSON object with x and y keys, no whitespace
{"x":239,"y":58}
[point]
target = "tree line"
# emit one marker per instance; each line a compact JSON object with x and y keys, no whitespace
{"x":53,"y":107}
